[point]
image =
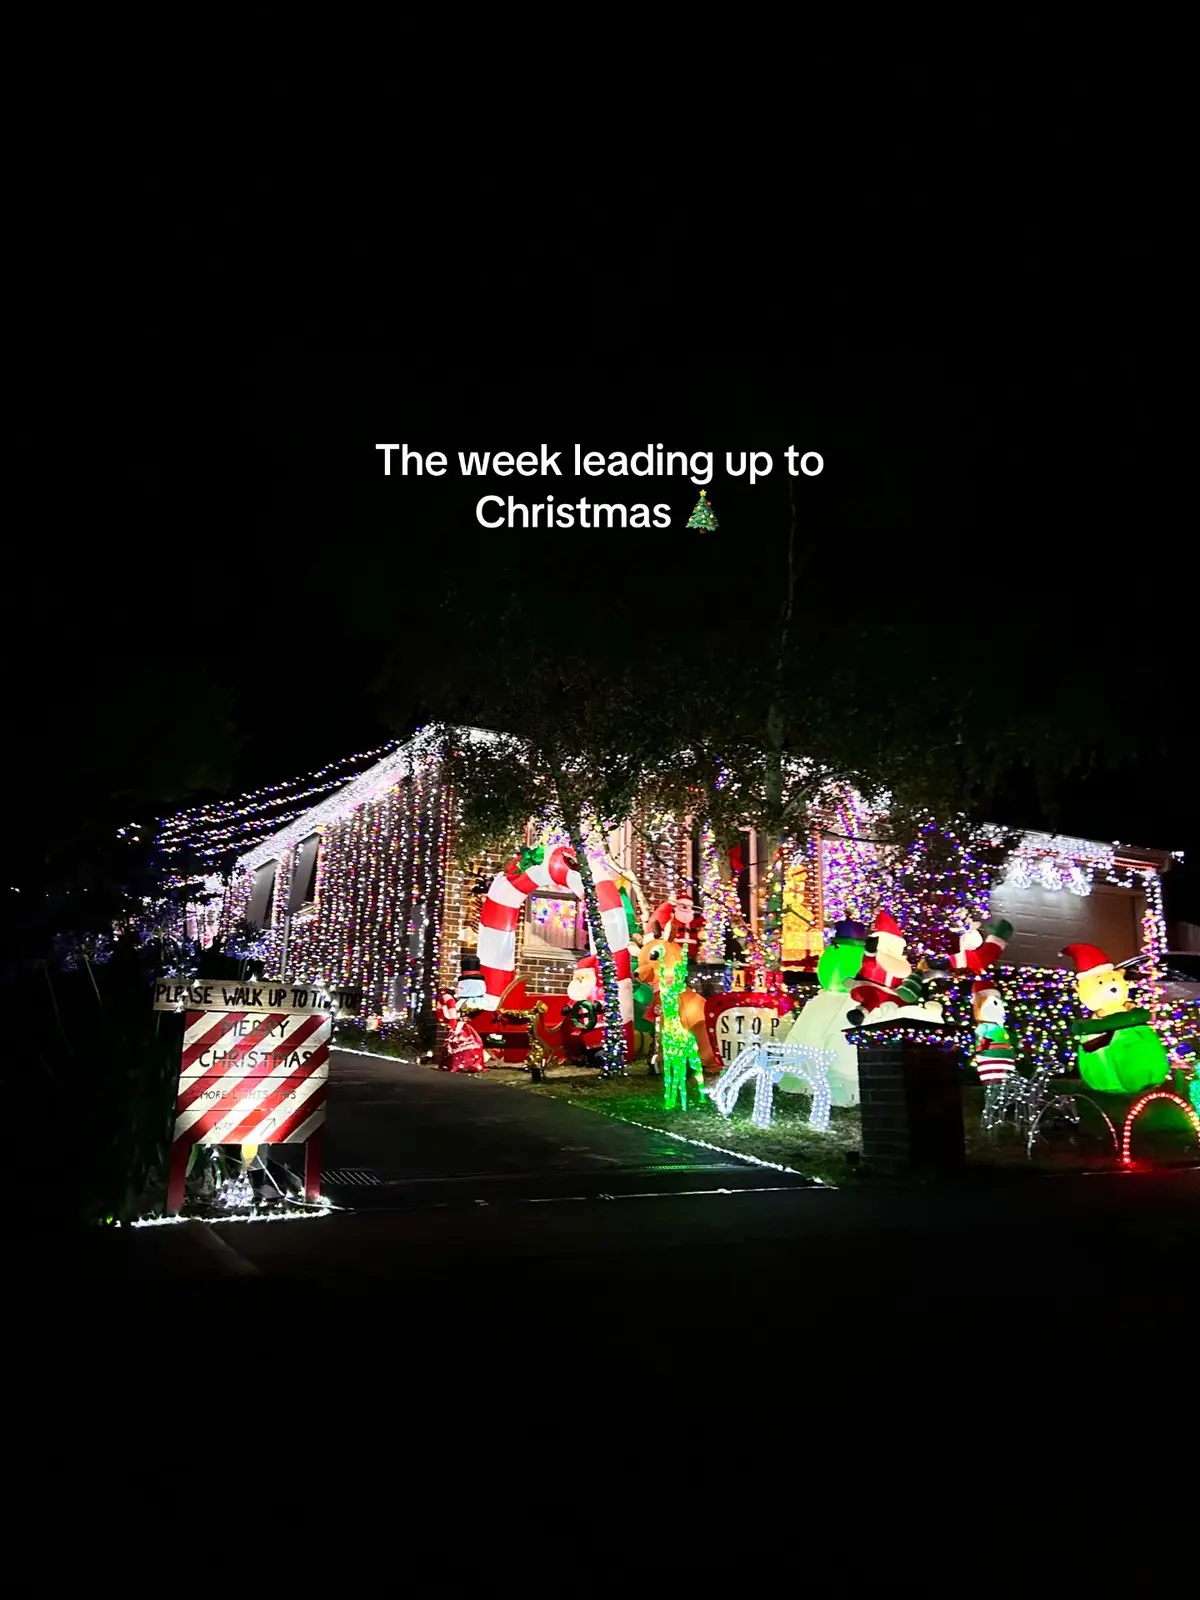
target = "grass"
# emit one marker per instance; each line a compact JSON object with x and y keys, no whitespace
{"x":1162,"y":1135}
{"x":788,"y":1142}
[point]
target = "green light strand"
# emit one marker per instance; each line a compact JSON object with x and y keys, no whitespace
{"x":681,"y":1054}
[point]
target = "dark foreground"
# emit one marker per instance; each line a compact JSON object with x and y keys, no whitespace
{"x":558,"y":1306}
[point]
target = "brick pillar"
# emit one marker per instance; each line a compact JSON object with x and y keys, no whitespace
{"x":911,"y":1105}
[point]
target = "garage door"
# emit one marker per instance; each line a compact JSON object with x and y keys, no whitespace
{"x":1044,"y":920}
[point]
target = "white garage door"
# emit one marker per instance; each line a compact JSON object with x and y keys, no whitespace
{"x":1044,"y":920}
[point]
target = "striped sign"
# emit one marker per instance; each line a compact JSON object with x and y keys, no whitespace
{"x":252,"y":1078}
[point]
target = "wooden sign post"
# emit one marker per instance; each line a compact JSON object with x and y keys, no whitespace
{"x":254,"y":1069}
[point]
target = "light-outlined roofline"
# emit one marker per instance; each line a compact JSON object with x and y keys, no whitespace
{"x":426,"y":744}
{"x":370,"y":785}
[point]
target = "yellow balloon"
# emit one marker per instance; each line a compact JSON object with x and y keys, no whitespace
{"x":249,"y":1151}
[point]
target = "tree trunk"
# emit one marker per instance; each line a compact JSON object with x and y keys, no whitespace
{"x":614,"y":1025}
{"x":772,"y":940}
{"x":772,"y":935}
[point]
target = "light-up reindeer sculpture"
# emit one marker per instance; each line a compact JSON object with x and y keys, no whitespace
{"x":686,"y":1047}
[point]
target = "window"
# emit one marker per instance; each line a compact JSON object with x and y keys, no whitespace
{"x":262,"y":896}
{"x":557,"y":925}
{"x":304,"y":874}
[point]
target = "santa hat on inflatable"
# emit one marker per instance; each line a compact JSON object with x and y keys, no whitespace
{"x":1090,"y":962}
{"x":588,"y":966}
{"x":887,"y":931}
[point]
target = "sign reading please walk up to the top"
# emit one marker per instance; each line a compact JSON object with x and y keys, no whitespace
{"x":208,"y":994}
{"x":254,"y":1070}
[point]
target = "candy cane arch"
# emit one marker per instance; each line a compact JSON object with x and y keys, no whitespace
{"x":502,"y":909}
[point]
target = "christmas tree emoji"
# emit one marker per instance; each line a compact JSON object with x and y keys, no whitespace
{"x":703,"y":517}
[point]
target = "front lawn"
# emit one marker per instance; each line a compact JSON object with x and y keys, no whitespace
{"x":1162,"y":1136}
{"x":788,"y":1142}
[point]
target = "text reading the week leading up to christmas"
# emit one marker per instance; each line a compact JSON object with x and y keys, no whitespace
{"x":653,"y":462}
{"x":194,"y":994}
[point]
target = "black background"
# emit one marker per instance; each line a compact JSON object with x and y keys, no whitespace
{"x":964,"y":301}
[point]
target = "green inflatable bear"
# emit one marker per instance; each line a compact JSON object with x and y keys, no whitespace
{"x":1120,"y":1054}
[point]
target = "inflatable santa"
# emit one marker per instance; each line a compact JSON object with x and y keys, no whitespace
{"x":981,"y":946}
{"x":886,"y":982}
{"x":583,"y":1015}
{"x":679,"y":920}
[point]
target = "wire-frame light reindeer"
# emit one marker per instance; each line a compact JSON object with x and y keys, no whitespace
{"x":1029,"y":1105}
{"x":765,"y":1062}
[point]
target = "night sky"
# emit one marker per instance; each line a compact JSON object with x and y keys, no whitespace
{"x":980,"y":357}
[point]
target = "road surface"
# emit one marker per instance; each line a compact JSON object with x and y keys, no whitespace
{"x":462,"y":1179}
{"x":617,"y":1342}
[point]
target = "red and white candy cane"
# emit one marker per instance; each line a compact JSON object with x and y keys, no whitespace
{"x":447,"y":1007}
{"x":502,"y":909}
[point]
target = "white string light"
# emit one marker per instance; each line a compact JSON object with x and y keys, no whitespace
{"x":294,"y":1213}
{"x":766,"y":1062}
{"x":381,"y":878}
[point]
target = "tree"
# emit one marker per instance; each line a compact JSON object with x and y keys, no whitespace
{"x":743,"y":689}
{"x":825,"y":684}
{"x":940,"y":885}
{"x":579,"y":732}
{"x":759,"y":745}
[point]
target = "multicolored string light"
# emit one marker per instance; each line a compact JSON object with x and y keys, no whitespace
{"x":771,"y":936}
{"x":719,"y":902}
{"x":852,"y":859}
{"x":214,"y":830}
{"x":935,"y":900}
{"x":383,"y":864}
{"x":1140,"y":1105}
{"x":680,"y":1053}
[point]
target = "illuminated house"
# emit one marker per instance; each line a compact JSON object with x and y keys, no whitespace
{"x":364,"y":887}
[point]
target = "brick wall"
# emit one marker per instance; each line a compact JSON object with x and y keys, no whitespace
{"x":911,"y":1106}
{"x":542,"y":974}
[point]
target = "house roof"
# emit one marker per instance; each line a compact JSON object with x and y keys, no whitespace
{"x":400,"y":763}
{"x":370,"y":785}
